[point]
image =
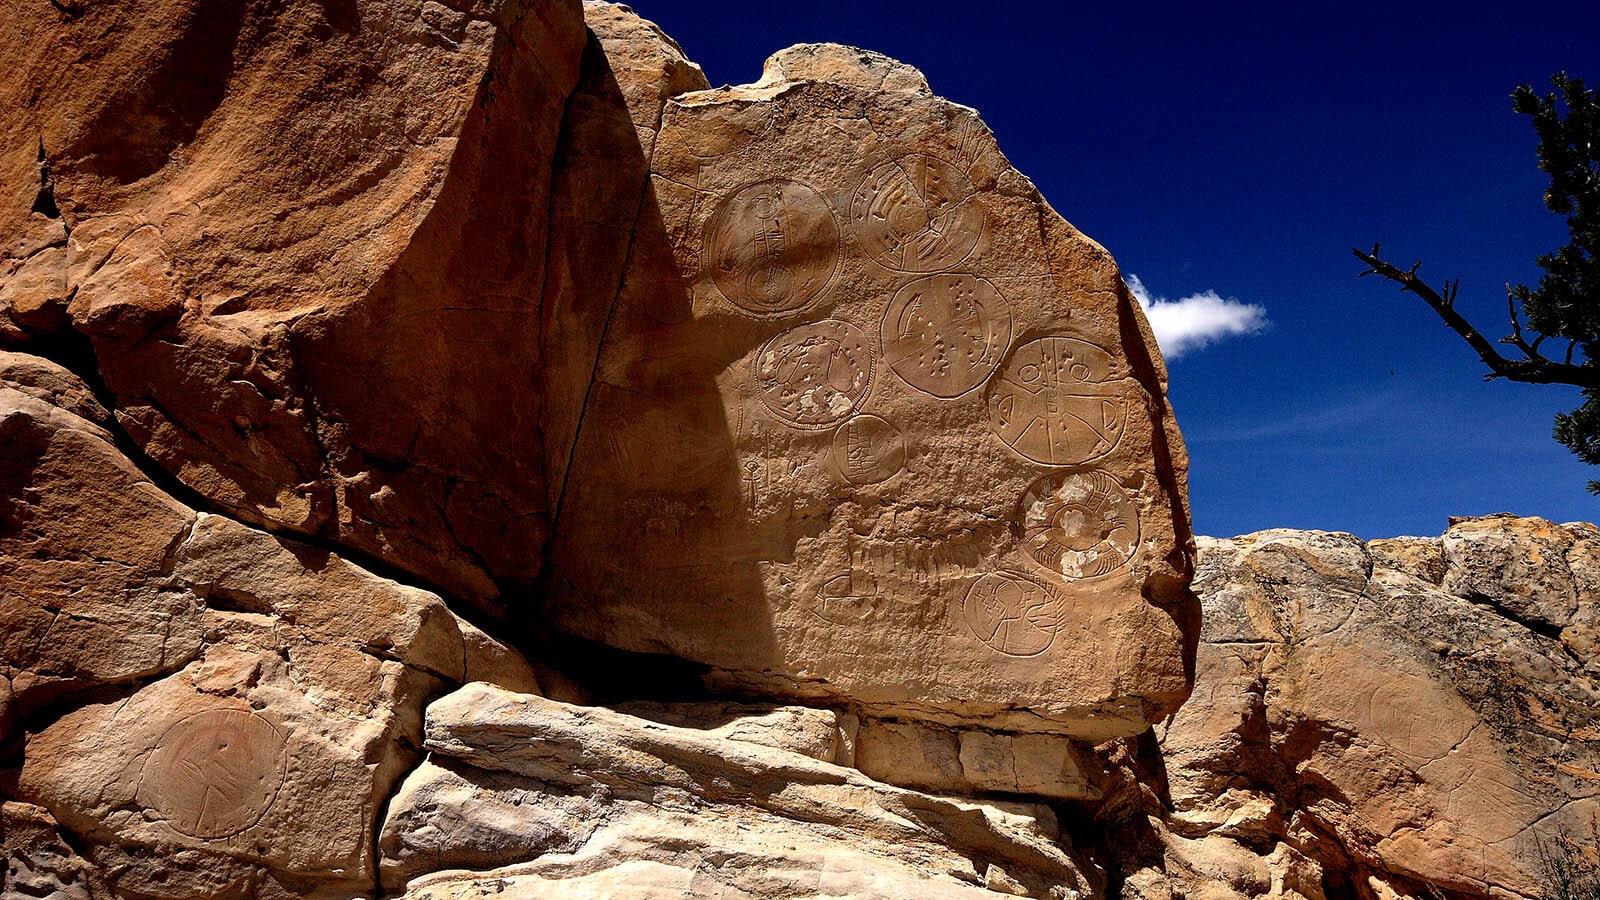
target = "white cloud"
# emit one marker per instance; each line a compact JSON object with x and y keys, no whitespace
{"x":1196,"y":320}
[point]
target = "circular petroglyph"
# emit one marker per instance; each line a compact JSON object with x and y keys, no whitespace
{"x":215,"y":773}
{"x":1079,"y":526}
{"x":1013,"y":615}
{"x":917,"y":214}
{"x":816,"y":374}
{"x":1050,"y":402}
{"x":772,"y":246}
{"x":868,"y":449}
{"x":944,"y":334}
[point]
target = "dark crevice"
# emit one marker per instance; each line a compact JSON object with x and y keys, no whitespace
{"x":45,"y":202}
{"x":411,"y":744}
{"x":70,"y":10}
{"x":598,"y":58}
{"x":1544,"y":629}
{"x":608,"y":674}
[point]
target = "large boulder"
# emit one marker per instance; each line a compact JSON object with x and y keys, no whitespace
{"x":308,"y":241}
{"x":812,"y":386}
{"x":871,"y":423}
{"x":1405,"y":717}
{"x":542,"y":799}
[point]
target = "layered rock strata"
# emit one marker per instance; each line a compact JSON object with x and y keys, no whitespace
{"x":195,"y":694}
{"x":600,"y":803}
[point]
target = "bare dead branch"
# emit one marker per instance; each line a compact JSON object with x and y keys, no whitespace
{"x":1533,"y":369}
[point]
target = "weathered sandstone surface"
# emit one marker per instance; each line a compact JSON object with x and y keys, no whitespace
{"x":871,"y":423}
{"x":196,"y":694}
{"x":813,"y":482}
{"x":308,"y":243}
{"x":1404,"y":717}
{"x":809,"y":384}
{"x":605,"y":804}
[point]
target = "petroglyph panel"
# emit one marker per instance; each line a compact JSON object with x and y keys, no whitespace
{"x":772,"y":246}
{"x":1052,"y":403}
{"x":868,"y":449}
{"x":917,"y":214}
{"x":814,"y":375}
{"x":215,"y":773}
{"x":944,"y":334}
{"x":1013,"y":615}
{"x":831,"y":418}
{"x":1078,"y":526}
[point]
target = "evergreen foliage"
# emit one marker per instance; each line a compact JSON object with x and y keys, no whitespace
{"x":1565,"y":306}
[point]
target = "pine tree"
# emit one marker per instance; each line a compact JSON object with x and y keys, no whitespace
{"x":1565,"y":306}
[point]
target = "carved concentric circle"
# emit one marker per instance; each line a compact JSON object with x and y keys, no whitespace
{"x":772,"y":246}
{"x":944,"y":334}
{"x":215,"y":773}
{"x":1078,"y":526}
{"x":917,"y":214}
{"x":1055,"y":402}
{"x":816,"y":374}
{"x":1013,"y":615}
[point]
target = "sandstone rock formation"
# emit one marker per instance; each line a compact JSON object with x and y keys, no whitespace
{"x":823,"y":364}
{"x":872,"y":424}
{"x":791,"y":403}
{"x":422,"y":283}
{"x":311,"y":281}
{"x":600,"y":803}
{"x":196,"y":693}
{"x":1394,"y":718}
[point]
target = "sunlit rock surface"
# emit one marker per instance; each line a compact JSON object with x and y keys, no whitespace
{"x":811,"y":483}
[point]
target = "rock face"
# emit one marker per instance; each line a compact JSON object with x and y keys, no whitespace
{"x":1388,"y":718}
{"x":796,"y":385}
{"x":195,"y":693}
{"x":311,"y":282}
{"x":813,"y":386}
{"x":871,"y":423}
{"x":606,"y":804}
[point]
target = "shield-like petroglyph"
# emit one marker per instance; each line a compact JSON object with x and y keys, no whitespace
{"x":816,"y":374}
{"x":847,"y":599}
{"x":944,"y":334}
{"x":772,"y":246}
{"x":1054,"y":402}
{"x":917,"y":214}
{"x":215,"y":773}
{"x":1081,"y":525}
{"x":1013,"y":615}
{"x":868,"y":449}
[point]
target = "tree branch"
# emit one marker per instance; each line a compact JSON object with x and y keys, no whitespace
{"x":1534,"y":369}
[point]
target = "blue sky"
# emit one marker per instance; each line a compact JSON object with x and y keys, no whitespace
{"x":1240,"y":152}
